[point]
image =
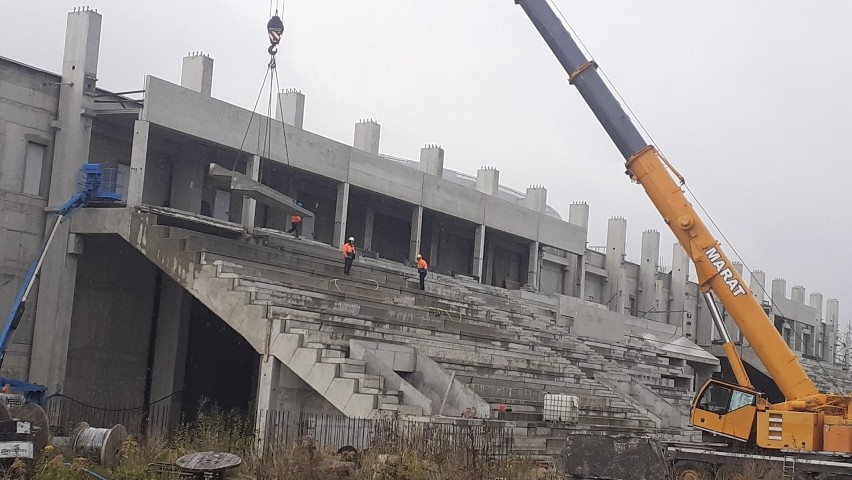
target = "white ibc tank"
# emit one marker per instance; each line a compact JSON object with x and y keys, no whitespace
{"x":561,"y":408}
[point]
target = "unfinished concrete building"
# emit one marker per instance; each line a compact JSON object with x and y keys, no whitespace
{"x":191,"y":289}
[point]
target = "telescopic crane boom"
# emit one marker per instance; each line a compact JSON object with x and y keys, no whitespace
{"x":733,"y":410}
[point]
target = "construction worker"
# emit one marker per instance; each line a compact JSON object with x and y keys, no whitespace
{"x":348,"y":255}
{"x":422,"y":269}
{"x":296,"y":224}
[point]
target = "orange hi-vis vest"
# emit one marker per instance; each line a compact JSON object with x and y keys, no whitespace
{"x":295,"y":219}
{"x":348,"y":249}
{"x":421,"y":265}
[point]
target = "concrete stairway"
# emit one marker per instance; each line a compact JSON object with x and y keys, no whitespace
{"x":290,"y":299}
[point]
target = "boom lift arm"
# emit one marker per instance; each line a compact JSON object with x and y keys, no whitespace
{"x":716,"y":275}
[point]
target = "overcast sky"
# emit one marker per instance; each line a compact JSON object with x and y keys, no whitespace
{"x":749,"y":100}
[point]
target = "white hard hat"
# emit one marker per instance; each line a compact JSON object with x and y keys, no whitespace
{"x":351,"y":239}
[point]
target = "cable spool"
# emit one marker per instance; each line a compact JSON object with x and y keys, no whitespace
{"x":37,"y":417}
{"x":99,"y":444}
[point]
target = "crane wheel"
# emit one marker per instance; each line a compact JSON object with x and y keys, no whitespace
{"x":731,"y":472}
{"x":689,"y":470}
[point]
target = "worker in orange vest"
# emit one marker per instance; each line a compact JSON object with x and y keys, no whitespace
{"x":296,"y":224}
{"x":348,"y":255}
{"x":422,"y":269}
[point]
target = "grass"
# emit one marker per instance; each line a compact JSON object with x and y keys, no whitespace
{"x":297,"y":460}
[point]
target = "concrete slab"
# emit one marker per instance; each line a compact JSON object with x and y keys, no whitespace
{"x":242,"y":185}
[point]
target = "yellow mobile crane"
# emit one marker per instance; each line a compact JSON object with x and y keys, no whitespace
{"x":808,"y":421}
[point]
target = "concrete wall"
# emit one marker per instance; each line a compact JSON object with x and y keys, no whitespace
{"x":110,"y":323}
{"x":189,"y":112}
{"x":28,"y":105}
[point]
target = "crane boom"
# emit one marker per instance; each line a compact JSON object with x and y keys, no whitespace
{"x":646,"y":166}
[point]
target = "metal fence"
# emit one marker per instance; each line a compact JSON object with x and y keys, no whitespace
{"x":471,"y":438}
{"x":65,"y":413}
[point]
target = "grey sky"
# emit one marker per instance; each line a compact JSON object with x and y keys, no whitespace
{"x":749,"y":100}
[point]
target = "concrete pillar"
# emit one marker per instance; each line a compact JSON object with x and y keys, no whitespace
{"x":488,"y":180}
{"x":416,"y":231}
{"x":536,"y":198}
{"x":479,"y":252}
{"x":779,"y":289}
{"x":138,"y":157}
{"x":369,"y":220}
{"x":435,"y":241}
{"x":758,"y":285}
{"x":816,"y":302}
{"x":167,"y":375}
{"x":798,"y":294}
{"x":367,"y":135}
{"x":76,"y":101}
{"x":340,"y":213}
{"x":616,"y":246}
{"x":197,"y":73}
{"x":250,"y":204}
{"x":832,"y":325}
{"x":188,"y":173}
{"x":648,"y":307}
{"x":432,"y":160}
{"x":533,"y":265}
{"x":489,"y":263}
{"x":578,"y":214}
{"x":267,"y":395}
{"x":291,"y":108}
{"x":680,"y":274}
{"x":73,"y":134}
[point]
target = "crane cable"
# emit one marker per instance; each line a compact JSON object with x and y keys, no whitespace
{"x":683,"y":181}
{"x":275,"y":28}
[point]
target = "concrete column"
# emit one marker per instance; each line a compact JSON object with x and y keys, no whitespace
{"x":267,"y":395}
{"x":798,"y":294}
{"x":533,"y":265}
{"x":369,"y":219}
{"x":250,"y":204}
{"x":76,"y":101}
{"x":291,"y":108}
{"x":197,"y":73}
{"x":779,"y":289}
{"x":488,"y":180}
{"x":479,"y":252}
{"x":73,"y":134}
{"x":832,"y":324}
{"x":616,"y":246}
{"x":815,"y":301}
{"x":367,"y":134}
{"x":758,"y":285}
{"x":680,"y":274}
{"x":489,"y":263}
{"x":432,"y":160}
{"x":578,"y":214}
{"x":648,"y":307}
{"x":167,"y":375}
{"x":435,"y":241}
{"x":188,"y":173}
{"x":138,"y":157}
{"x":536,"y":198}
{"x":340,"y":214}
{"x":416,"y":231}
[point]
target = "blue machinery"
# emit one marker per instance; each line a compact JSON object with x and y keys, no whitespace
{"x":98,"y":185}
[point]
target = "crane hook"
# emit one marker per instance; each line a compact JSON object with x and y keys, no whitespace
{"x":275,"y":27}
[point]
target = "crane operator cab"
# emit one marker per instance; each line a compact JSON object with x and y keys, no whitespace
{"x":726,"y":409}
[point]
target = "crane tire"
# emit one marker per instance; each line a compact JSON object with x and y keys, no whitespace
{"x":689,"y":470}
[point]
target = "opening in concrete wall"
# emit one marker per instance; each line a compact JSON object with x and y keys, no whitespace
{"x":221,"y":367}
{"x":386,"y":225}
{"x":506,"y":260}
{"x":448,"y":243}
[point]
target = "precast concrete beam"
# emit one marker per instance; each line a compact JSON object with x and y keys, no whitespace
{"x":239,"y":184}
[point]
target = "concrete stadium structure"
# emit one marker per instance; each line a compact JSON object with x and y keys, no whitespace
{"x":192,"y":287}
